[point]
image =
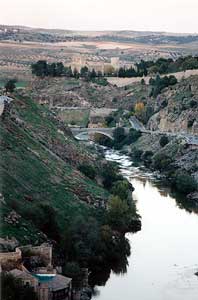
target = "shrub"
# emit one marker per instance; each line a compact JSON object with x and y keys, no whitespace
{"x":72,"y":270}
{"x":193,"y":103}
{"x":132,"y":137}
{"x":117,"y":213}
{"x":45,"y":218}
{"x":147,"y":157}
{"x":87,"y":170}
{"x":136,"y":154}
{"x":121,"y":189}
{"x":161,"y":161}
{"x":185,"y":183}
{"x":109,"y":174}
{"x":163,"y":140}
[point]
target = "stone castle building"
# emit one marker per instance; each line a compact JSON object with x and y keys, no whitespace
{"x":98,"y":63}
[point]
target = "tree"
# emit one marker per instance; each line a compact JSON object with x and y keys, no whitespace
{"x":185,"y":183}
{"x":132,"y":136}
{"x":49,"y":223}
{"x":40,"y":68}
{"x":163,"y":140}
{"x":139,"y":109}
{"x":51,"y":70}
{"x":87,"y":170}
{"x":121,"y":189}
{"x":45,"y":217}
{"x":119,"y":134}
{"x":10,"y":85}
{"x":158,"y":84}
{"x":93,"y":74}
{"x":117,"y":213}
{"x":59,"y":69}
{"x":85,"y":237}
{"x":68,"y":72}
{"x":84,"y":71}
{"x":161,"y":161}
{"x":109,"y":174}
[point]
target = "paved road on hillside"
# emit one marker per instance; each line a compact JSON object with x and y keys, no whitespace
{"x":137,"y":125}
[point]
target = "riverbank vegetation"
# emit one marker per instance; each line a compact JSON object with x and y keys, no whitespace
{"x":167,"y":155}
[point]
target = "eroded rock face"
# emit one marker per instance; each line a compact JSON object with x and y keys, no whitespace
{"x":177,"y":108}
{"x":183,"y":122}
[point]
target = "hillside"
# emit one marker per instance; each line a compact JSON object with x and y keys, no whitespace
{"x":39,"y":160}
{"x":72,"y":92}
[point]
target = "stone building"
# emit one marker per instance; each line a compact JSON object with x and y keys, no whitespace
{"x":45,"y":281}
{"x":47,"y":286}
{"x":99,"y":64}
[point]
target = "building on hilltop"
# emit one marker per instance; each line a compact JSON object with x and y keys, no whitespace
{"x":98,"y":63}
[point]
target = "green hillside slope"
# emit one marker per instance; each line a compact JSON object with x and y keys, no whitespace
{"x":39,"y":161}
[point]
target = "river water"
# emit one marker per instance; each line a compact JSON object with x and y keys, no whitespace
{"x":164,"y":254}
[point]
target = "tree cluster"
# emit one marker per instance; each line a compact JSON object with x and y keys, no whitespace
{"x":161,"y":66}
{"x":130,"y":72}
{"x":43,"y":69}
{"x":159,"y":83}
{"x":121,"y":138}
{"x":164,"y":66}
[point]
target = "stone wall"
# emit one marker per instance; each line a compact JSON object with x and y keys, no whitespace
{"x":11,"y":259}
{"x":44,"y":251}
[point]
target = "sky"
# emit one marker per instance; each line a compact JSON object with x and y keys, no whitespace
{"x":157,"y":15}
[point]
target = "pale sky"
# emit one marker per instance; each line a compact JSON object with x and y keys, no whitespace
{"x":157,"y":15}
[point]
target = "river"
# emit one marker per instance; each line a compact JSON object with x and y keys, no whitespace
{"x":164,"y":254}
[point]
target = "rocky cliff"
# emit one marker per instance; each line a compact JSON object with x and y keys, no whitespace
{"x":176,"y":109}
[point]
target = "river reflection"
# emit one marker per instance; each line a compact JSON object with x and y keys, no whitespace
{"x":164,"y":254}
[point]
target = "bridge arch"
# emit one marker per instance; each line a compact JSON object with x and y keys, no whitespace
{"x":86,"y":135}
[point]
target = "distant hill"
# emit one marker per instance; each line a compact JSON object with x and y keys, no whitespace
{"x":24,"y":33}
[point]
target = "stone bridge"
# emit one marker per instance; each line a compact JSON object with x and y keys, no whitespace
{"x":84,"y":133}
